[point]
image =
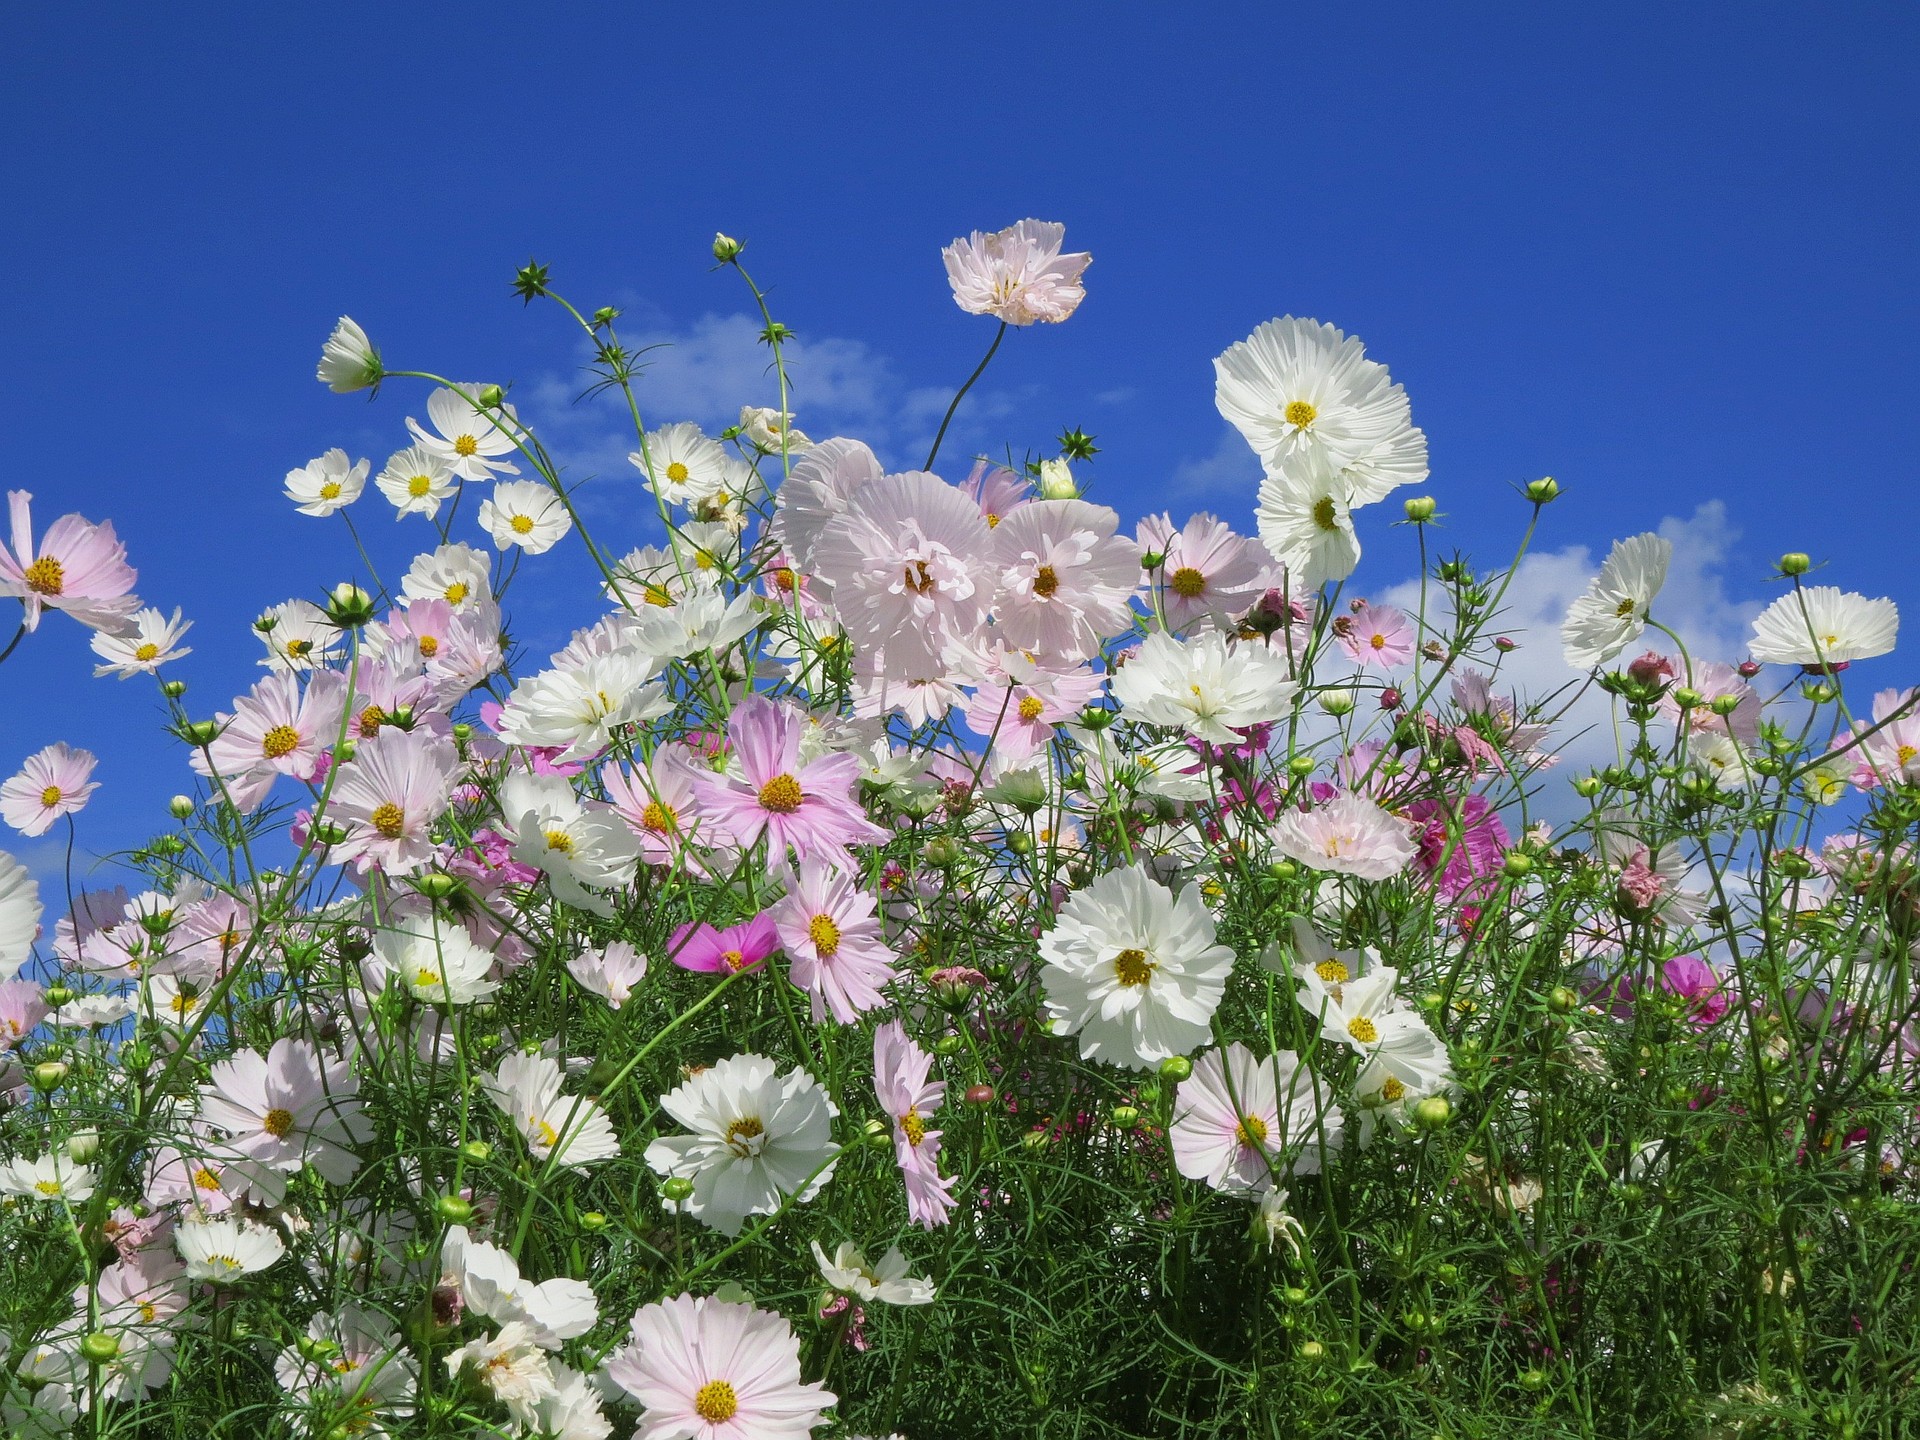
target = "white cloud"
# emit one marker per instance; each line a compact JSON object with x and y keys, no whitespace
{"x":1231,"y":466}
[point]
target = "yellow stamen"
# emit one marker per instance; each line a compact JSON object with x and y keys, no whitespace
{"x":1045,"y":582}
{"x":390,"y":820}
{"x":1187,"y":582}
{"x":1030,"y":708}
{"x":913,"y":1127}
{"x":419,"y":485}
{"x":1363,"y":1030}
{"x":1133,"y":968}
{"x":277,"y":1123}
{"x":279,"y":741}
{"x":825,"y":936}
{"x":1251,"y":1131}
{"x":50,"y":796}
{"x":1300,"y":413}
{"x":465,"y":445}
{"x":522,"y":524}
{"x":740,"y":1132}
{"x":782,"y":795}
{"x":715,"y":1402}
{"x":46,"y":576}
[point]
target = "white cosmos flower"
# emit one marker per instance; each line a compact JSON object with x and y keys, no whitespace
{"x":571,"y":1127}
{"x":572,"y":1412}
{"x":328,"y":483}
{"x":468,"y":439}
{"x":19,"y":915}
{"x":610,"y":973}
{"x":1612,"y":613}
{"x":769,"y":431}
{"x":580,"y":706}
{"x":1205,"y":686}
{"x":819,"y":488}
{"x":758,"y":1137}
{"x":526,"y":513}
{"x":850,"y":1272}
{"x":512,"y":1367}
{"x":438,"y":964}
{"x":1824,"y":625}
{"x":578,"y":843}
{"x":416,"y":480}
{"x":222,"y":1250}
{"x":149,"y":642}
{"x":1236,"y":1119}
{"x":354,"y":1362}
{"x":52,"y":1177}
{"x":1132,"y":969}
{"x":1298,"y":388}
{"x":1306,"y":523}
{"x":490,"y":1282}
{"x":681,"y":465}
{"x":1400,"y":1073}
{"x":298,"y":636}
{"x":457,"y":574}
{"x":348,"y":360}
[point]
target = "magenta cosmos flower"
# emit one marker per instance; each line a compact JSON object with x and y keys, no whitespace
{"x":708,"y":1369}
{"x":900,"y":1081}
{"x":79,"y":567}
{"x":1018,"y":274}
{"x":745,"y":946}
{"x":807,"y":807}
{"x":54,"y":782}
{"x":833,"y":943}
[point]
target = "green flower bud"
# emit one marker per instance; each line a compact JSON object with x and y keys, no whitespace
{"x":678,"y":1190}
{"x":948,"y":1045}
{"x":1795,"y":562}
{"x":726,"y":249}
{"x":593,"y":1222}
{"x":200,"y":733}
{"x":1587,"y":786}
{"x":1543,"y":490}
{"x":99,"y":1347}
{"x":1420,"y":509}
{"x":453,"y":1209}
{"x":348,"y":606}
{"x":47,"y":1075}
{"x":1433,"y":1112}
{"x":181,"y":807}
{"x":1125,"y":1117}
{"x":1561,"y":1000}
{"x":1312,"y":1350}
{"x":57,"y":995}
{"x":476,"y":1152}
{"x":1517,"y":865}
{"x":173,"y":689}
{"x":491,"y":397}
{"x":1176,"y":1067}
{"x":1283,"y":869}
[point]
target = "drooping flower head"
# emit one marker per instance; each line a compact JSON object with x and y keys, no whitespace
{"x":1612,"y":614}
{"x":901,"y":1083}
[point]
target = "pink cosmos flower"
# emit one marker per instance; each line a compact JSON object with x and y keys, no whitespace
{"x":1376,"y":637}
{"x":1349,"y":835}
{"x":1018,"y":274}
{"x":996,"y":490}
{"x":79,"y":567}
{"x":176,"y":1178}
{"x":1208,"y":570}
{"x":204,"y":938}
{"x":900,"y":1080}
{"x":745,"y":946}
{"x":283,"y":1110}
{"x":822,"y":484}
{"x":276,"y":729}
{"x":709,"y":1369}
{"x":23,"y":1005}
{"x":907,"y":564}
{"x":806,"y":807}
{"x":1462,"y":847}
{"x":1066,"y":580}
{"x":55,"y":781}
{"x":1018,"y":702}
{"x":659,"y":804}
{"x":1891,"y":754}
{"x":833,"y":943}
{"x":398,"y":784}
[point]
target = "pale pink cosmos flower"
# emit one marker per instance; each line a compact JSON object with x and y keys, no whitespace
{"x":900,"y":1081}
{"x":1375,"y":637}
{"x":997,"y":490}
{"x":1711,"y":680}
{"x":808,"y":807}
{"x":833,"y":943}
{"x":1891,"y":754}
{"x":1067,"y":581}
{"x":1207,"y":571}
{"x":398,"y":784}
{"x":23,"y":1005}
{"x":1348,"y":835}
{"x":822,"y":484}
{"x":275,"y":729}
{"x":703,"y":949}
{"x":55,"y":781}
{"x":659,"y":804}
{"x":709,"y":1369}
{"x":283,"y":1110}
{"x":907,"y":562}
{"x":1018,"y":702}
{"x":197,"y":1181}
{"x":610,"y":972}
{"x":79,"y":567}
{"x":1018,"y":274}
{"x":1236,"y":1122}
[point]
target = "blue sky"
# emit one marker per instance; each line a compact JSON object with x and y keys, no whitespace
{"x":1664,"y":253}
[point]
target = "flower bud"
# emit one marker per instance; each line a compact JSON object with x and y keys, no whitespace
{"x":476,"y":1152}
{"x":1152,"y":560}
{"x":940,"y":852}
{"x":100,"y":1347}
{"x":1420,"y":509}
{"x":1125,"y":1117}
{"x":181,"y":807}
{"x":1505,"y":645}
{"x":1561,"y":1000}
{"x":1818,"y":692}
{"x":436,"y":884}
{"x":1724,"y":704}
{"x":678,"y":1190}
{"x":1433,"y":1112}
{"x":1518,"y":865}
{"x":1795,"y":562}
{"x":1057,"y":482}
{"x":979,"y":1095}
{"x":1543,"y":490}
{"x":453,"y":1209}
{"x":57,"y":995}
{"x":137,"y":1058}
{"x":47,"y":1075}
{"x":83,"y":1145}
{"x":200,"y":733}
{"x":1283,"y":869}
{"x":1176,"y":1068}
{"x":726,"y":249}
{"x":1390,"y":699}
{"x":491,"y":397}
{"x":1688,"y":698}
{"x":173,"y":689}
{"x":1748,"y":669}
{"x":1312,"y":1350}
{"x":948,"y":1045}
{"x":1336,"y":702}
{"x":1587,"y":786}
{"x":592,"y":1221}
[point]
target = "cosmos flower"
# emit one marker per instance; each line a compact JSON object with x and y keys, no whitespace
{"x":354,"y":1365}
{"x":149,"y":641}
{"x":1236,"y":1120}
{"x":1018,"y":274}
{"x":1820,"y":625}
{"x":526,"y":513}
{"x":457,"y":574}
{"x":52,"y":1177}
{"x":53,"y":782}
{"x":437,"y":963}
{"x":78,"y":567}
{"x":1306,"y":523}
{"x":1207,"y":571}
{"x":298,"y":636}
{"x":702,"y":1368}
{"x":757,"y":1138}
{"x":277,"y":728}
{"x":510,"y":1366}
{"x":20,"y":911}
{"x":567,"y":1131}
{"x":738,"y":948}
{"x":681,"y":465}
{"x":348,"y":361}
{"x":416,"y":480}
{"x":610,"y":972}
{"x":328,"y":483}
{"x":1067,"y":581}
{"x":851,"y":1273}
{"x":581,"y":845}
{"x":821,"y":485}
{"x":659,"y":804}
{"x":578,"y":707}
{"x":1132,"y":969}
{"x":1612,"y":614}
{"x":221,"y":1250}
{"x":465,"y":436}
{"x":808,"y":808}
{"x":901,"y":1083}
{"x":1207,"y":686}
{"x":833,"y":943}
{"x":1349,"y":835}
{"x":771,"y":432}
{"x":1377,"y":637}
{"x":399,"y":783}
{"x":554,"y":1311}
{"x":284,"y":1110}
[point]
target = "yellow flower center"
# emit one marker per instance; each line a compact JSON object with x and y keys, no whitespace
{"x":782,"y":795}
{"x":658,"y":818}
{"x":205,"y":1179}
{"x":734,"y":960}
{"x":146,"y":651}
{"x":784,"y":579}
{"x":544,"y":1135}
{"x":1332,"y":972}
{"x":677,"y":473}
{"x":522,"y":524}
{"x":1363,"y":1030}
{"x":747,"y":1128}
{"x":1133,"y":968}
{"x":559,"y":840}
{"x":1905,"y":754}
{"x":277,"y":1123}
{"x":1030,"y":707}
{"x":456,"y":592}
{"x":658,"y":595}
{"x":298,"y":649}
{"x":371,"y":719}
{"x":280,"y":740}
{"x":1324,"y":513}
{"x":715,"y":1401}
{"x":425,"y":977}
{"x":1392,"y":1090}
{"x":1300,"y":413}
{"x":419,"y":485}
{"x":46,"y":576}
{"x":330,"y":490}
{"x":915,"y":576}
{"x":390,"y":820}
{"x":50,"y":796}
{"x":49,"y":1188}
{"x":825,"y":936}
{"x":464,"y":445}
{"x":1623,"y":609}
{"x":1378,"y":641}
{"x":1187,"y":582}
{"x":1251,"y":1131}
{"x":429,"y":646}
{"x":913,"y":1127}
{"x":1045,"y":582}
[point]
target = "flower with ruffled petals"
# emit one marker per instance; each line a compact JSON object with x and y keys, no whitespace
{"x":284,"y":1110}
{"x":1067,"y":582}
{"x":709,"y":1369}
{"x":53,"y":782}
{"x":1376,"y":637}
{"x":220,"y":1250}
{"x":887,"y":1281}
{"x":399,"y":783}
{"x":1612,"y":614}
{"x":1207,"y":571}
{"x":1018,"y":274}
{"x":901,"y":1083}
{"x":1208,"y":686}
{"x":20,"y":911}
{"x":1349,"y":835}
{"x":610,"y":972}
{"x":567,"y":1131}
{"x":78,"y":567}
{"x":277,"y":728}
{"x":416,"y":480}
{"x":1306,"y":523}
